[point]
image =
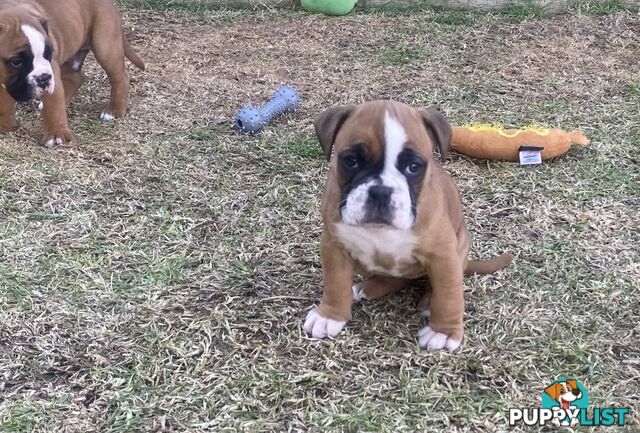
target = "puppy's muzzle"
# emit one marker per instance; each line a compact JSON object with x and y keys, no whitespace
{"x":43,"y":81}
{"x":380,"y":195}
{"x":378,"y":205}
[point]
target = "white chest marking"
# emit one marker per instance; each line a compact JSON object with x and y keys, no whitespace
{"x":380,"y":250}
{"x":40,"y":64}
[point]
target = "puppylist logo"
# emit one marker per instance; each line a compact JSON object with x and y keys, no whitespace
{"x":565,"y":402}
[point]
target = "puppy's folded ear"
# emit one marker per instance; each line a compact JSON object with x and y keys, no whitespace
{"x":328,"y":125}
{"x":553,"y":390}
{"x":438,"y":128}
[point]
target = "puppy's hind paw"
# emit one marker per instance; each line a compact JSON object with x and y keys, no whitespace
{"x":425,"y":312}
{"x":322,"y":327}
{"x":358,"y":293}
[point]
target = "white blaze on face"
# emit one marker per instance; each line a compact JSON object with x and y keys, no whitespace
{"x":395,"y":138}
{"x":41,"y":65}
{"x":355,"y":210}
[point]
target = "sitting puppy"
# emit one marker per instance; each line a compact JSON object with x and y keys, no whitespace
{"x":392,"y":213}
{"x":43,"y":44}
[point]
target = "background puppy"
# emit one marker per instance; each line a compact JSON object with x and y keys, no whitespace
{"x":43,"y":45}
{"x":392,"y":213}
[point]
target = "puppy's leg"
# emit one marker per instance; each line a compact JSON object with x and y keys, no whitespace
{"x":56,"y":129}
{"x":377,"y":287}
{"x":445,"y":328}
{"x":109,"y":53}
{"x":425,"y":301}
{"x":72,"y":80}
{"x":328,"y":319}
{"x":7,"y":111}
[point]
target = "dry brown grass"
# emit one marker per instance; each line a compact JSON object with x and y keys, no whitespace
{"x":154,"y":275}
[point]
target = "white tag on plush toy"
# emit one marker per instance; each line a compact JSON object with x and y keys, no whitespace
{"x":530,"y":155}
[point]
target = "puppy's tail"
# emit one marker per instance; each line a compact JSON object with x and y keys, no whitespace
{"x":488,"y":266}
{"x":132,"y":56}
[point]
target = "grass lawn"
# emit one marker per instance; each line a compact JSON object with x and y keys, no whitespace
{"x":154,"y":274}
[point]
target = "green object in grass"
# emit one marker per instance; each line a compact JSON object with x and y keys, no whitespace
{"x":329,"y":7}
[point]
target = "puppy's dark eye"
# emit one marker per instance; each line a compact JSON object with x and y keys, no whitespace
{"x":16,"y":63}
{"x":350,"y":161}
{"x":413,"y":168}
{"x":353,"y":159}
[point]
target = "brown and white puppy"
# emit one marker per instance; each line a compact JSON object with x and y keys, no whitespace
{"x":392,"y":213}
{"x":43,"y":45}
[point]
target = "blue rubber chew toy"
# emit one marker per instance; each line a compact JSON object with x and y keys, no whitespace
{"x":251,"y":119}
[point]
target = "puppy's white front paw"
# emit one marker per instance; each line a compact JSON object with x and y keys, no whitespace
{"x":358,"y":293}
{"x":433,"y":340}
{"x":53,"y":142}
{"x":322,"y":327}
{"x":107,"y":117}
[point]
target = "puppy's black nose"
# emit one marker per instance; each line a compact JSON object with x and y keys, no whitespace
{"x":575,"y":392}
{"x":43,"y":80}
{"x":380,"y":194}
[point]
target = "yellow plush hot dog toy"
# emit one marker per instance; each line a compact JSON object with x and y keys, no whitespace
{"x":494,"y":142}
